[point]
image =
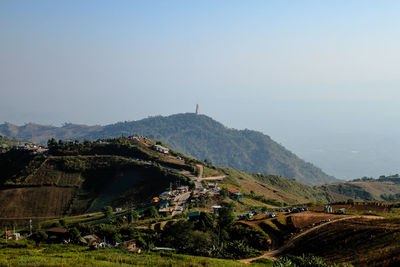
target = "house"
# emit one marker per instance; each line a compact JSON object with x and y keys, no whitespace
{"x":130,"y":245}
{"x":57,"y":234}
{"x":13,"y":236}
{"x":164,"y":205}
{"x":165,"y":195}
{"x":183,"y":189}
{"x":216,"y":209}
{"x":328,"y":209}
{"x":91,"y":240}
{"x":193,"y":216}
{"x":235,"y":193}
{"x":161,"y":149}
{"x":118,"y":209}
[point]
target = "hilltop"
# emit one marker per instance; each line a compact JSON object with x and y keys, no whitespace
{"x":124,"y":172}
{"x":198,"y":136}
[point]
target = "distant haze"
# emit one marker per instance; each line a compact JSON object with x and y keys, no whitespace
{"x":319,"y":77}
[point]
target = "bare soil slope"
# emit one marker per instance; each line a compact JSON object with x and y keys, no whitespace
{"x":34,"y":202}
{"x":360,"y":241}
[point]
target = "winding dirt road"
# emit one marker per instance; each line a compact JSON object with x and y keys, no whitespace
{"x":271,"y":254}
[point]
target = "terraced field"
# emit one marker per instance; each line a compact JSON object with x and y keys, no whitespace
{"x":361,"y":241}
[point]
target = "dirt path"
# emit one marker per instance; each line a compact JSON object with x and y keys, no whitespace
{"x":200,"y":171}
{"x":212,"y":178}
{"x":273,"y":253}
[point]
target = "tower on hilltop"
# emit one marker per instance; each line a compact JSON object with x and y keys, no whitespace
{"x":197,"y":109}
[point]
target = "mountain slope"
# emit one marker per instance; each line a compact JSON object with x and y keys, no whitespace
{"x":198,"y":136}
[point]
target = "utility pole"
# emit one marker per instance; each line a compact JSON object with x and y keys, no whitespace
{"x":197,"y":109}
{"x":30,"y":226}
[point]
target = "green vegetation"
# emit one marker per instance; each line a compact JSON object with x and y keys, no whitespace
{"x":198,"y":136}
{"x":25,"y":253}
{"x":302,"y":261}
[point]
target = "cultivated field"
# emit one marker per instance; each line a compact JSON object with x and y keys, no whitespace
{"x":49,"y":202}
{"x":361,"y":241}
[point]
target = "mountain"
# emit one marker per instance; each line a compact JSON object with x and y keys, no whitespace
{"x":198,"y":136}
{"x":77,"y":178}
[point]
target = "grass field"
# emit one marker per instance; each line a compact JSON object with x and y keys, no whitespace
{"x":70,"y":255}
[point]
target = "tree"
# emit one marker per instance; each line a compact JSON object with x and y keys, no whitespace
{"x":178,"y":235}
{"x":224,"y":192}
{"x":110,"y":232}
{"x":226,"y":214}
{"x":39,"y":236}
{"x":52,"y":145}
{"x":75,"y":235}
{"x":206,"y":222}
{"x":62,"y":222}
{"x":133,"y":215}
{"x":107,"y":210}
{"x":200,"y":243}
{"x":151,"y":212}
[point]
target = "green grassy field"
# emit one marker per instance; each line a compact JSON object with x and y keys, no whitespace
{"x":70,"y":255}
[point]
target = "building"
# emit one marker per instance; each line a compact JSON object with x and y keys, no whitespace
{"x":193,"y":216}
{"x":328,"y":209}
{"x":130,"y":246}
{"x":235,"y":193}
{"x":13,"y":236}
{"x":161,"y":149}
{"x":216,"y":209}
{"x":183,"y":189}
{"x":58,"y":235}
{"x":91,"y":239}
{"x":165,"y":195}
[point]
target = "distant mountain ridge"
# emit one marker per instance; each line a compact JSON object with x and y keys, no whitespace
{"x":196,"y":135}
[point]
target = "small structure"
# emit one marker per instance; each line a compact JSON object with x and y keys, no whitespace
{"x":58,"y":234}
{"x":156,"y":199}
{"x":164,"y":205}
{"x":13,"y":236}
{"x":165,"y":195}
{"x":235,"y":193}
{"x":118,"y":209}
{"x":91,"y":240}
{"x":130,"y":245}
{"x":164,"y":248}
{"x":183,"y":189}
{"x":161,"y":149}
{"x":193,"y":216}
{"x":216,"y":209}
{"x":341,"y":211}
{"x":328,"y":209}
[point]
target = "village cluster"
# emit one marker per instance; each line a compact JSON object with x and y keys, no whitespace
{"x":32,"y":148}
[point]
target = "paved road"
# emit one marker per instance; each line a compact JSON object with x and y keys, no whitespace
{"x":181,"y":203}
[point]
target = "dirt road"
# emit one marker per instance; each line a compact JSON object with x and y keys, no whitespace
{"x":273,"y":253}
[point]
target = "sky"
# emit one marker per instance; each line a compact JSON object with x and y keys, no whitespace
{"x":320,"y":77}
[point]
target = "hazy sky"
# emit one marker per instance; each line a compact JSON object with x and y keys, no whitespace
{"x":314,"y":75}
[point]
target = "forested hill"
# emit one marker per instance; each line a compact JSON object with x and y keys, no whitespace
{"x":198,"y":136}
